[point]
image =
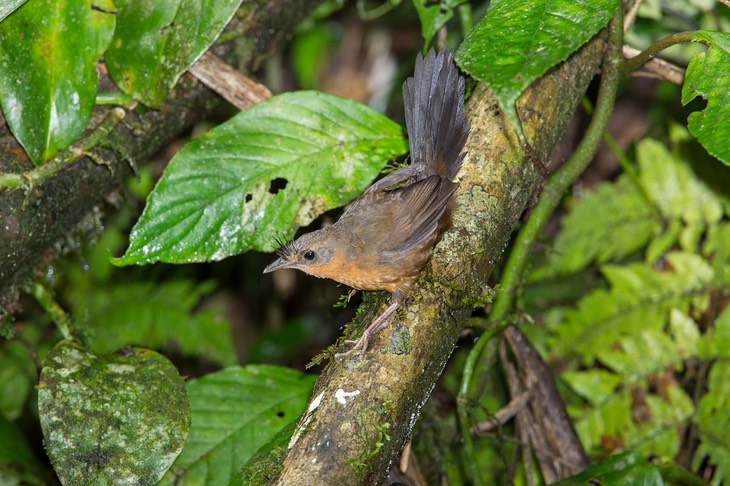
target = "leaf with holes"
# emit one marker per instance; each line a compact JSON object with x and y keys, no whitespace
{"x":235,"y":412}
{"x":517,"y":41}
{"x":120,"y":418}
{"x":261,"y":175}
{"x":157,"y":40}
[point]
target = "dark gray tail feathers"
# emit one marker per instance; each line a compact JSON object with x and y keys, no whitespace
{"x":434,"y":109}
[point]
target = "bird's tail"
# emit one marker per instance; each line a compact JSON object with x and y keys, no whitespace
{"x":434,"y":110}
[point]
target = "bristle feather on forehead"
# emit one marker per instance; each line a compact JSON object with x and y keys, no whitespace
{"x":287,"y":249}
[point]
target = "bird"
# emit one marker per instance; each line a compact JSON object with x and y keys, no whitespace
{"x":385,"y":237}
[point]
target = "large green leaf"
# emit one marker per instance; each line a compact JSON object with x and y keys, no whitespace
{"x":261,"y":175}
{"x":115,"y":419}
{"x":48,"y":55}
{"x":235,"y":412}
{"x":8,"y":6}
{"x":708,"y":76}
{"x":157,"y":40}
{"x":517,"y":41}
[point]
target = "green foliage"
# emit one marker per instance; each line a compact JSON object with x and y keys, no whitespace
{"x":118,"y":310}
{"x":637,"y":294}
{"x":49,"y":80}
{"x":518,"y":41}
{"x":17,"y":378}
{"x":627,"y":224}
{"x":713,"y":412}
{"x":219,"y":195}
{"x":669,"y":203}
{"x":633,"y":340}
{"x":122,"y":415}
{"x":156,"y":314}
{"x":624,"y":468}
{"x":434,"y":15}
{"x":18,"y":464}
{"x":708,"y":76}
{"x":235,"y":412}
{"x":157,"y":40}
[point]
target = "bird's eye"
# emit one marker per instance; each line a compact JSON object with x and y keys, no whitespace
{"x":309,"y":255}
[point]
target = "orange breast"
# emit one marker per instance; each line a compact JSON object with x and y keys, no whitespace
{"x":364,"y":273}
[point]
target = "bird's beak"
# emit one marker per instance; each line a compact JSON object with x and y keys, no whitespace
{"x":278,"y":265}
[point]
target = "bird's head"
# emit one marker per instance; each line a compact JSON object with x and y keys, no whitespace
{"x":312,"y":253}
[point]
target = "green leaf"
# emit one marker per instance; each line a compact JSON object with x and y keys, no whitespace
{"x":624,"y":468}
{"x":235,"y":412}
{"x":595,"y":386}
{"x":674,"y":188}
{"x":518,"y":41}
{"x":713,"y":420}
{"x":264,"y":466}
{"x":110,"y":419}
{"x":157,"y":40}
{"x":18,"y":464}
{"x":605,"y":225}
{"x":48,"y":55}
{"x":8,"y":6}
{"x":708,"y":76}
{"x":610,"y":418}
{"x":154,"y":314}
{"x":715,"y":343}
{"x":222,"y":193}
{"x":433,"y":15}
{"x":637,"y":294}
{"x":17,"y":378}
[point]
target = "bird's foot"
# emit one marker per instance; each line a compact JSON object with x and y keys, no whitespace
{"x":361,"y":344}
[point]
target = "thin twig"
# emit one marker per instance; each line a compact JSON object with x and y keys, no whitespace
{"x":504,"y":414}
{"x":656,"y":67}
{"x":45,"y":298}
{"x":237,"y":89}
{"x":630,"y":15}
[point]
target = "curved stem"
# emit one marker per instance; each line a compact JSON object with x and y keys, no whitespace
{"x":49,"y":304}
{"x":564,"y":177}
{"x":556,"y":186}
{"x":463,"y":404}
{"x":654,"y":49}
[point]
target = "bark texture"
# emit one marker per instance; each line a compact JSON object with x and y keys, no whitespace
{"x":31,"y":222}
{"x":363,"y":409}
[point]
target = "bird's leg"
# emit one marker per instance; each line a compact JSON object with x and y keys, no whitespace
{"x":375,"y":326}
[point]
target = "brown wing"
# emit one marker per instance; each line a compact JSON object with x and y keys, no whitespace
{"x":403,"y":219}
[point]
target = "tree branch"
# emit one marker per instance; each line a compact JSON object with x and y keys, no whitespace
{"x":343,"y":440}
